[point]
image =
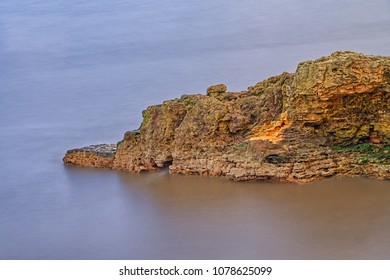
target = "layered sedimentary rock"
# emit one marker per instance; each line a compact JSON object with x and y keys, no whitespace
{"x":102,"y":155}
{"x":330,"y":117}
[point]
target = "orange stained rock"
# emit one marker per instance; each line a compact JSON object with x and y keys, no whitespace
{"x":273,"y":131}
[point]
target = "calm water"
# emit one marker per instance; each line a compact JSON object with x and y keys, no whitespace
{"x":74,"y":73}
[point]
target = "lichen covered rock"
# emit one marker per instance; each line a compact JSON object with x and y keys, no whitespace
{"x":295,"y":127}
{"x":216,"y":89}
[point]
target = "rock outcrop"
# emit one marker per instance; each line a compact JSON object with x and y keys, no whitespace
{"x":331,"y":117}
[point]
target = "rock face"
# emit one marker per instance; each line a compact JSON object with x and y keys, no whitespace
{"x":330,"y":117}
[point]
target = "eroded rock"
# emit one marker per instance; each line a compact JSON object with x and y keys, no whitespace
{"x":216,"y":89}
{"x":329,"y":118}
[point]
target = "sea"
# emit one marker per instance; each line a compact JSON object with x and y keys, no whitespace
{"x":75,"y":73}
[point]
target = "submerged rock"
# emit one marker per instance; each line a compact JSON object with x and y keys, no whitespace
{"x":330,"y":117}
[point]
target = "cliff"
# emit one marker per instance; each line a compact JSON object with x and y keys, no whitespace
{"x":330,"y":117}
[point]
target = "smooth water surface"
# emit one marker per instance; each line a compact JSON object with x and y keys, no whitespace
{"x":74,"y":73}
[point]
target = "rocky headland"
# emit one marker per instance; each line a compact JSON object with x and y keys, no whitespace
{"x":329,"y":118}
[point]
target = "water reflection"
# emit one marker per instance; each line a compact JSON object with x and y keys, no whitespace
{"x":216,"y":218}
